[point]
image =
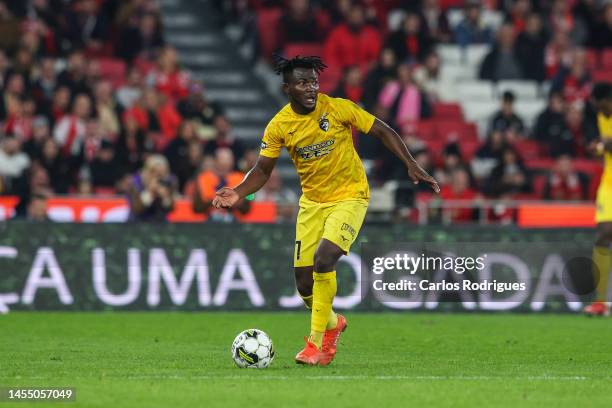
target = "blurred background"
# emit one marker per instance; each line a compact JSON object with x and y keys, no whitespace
{"x":139,"y":110}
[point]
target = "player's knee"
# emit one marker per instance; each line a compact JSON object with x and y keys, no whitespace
{"x":303,"y":281}
{"x":325,"y":261}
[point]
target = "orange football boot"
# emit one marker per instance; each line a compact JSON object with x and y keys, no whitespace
{"x":598,"y":308}
{"x":311,"y":355}
{"x":330,"y":340}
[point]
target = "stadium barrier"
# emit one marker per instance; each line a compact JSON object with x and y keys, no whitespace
{"x":47,"y":266}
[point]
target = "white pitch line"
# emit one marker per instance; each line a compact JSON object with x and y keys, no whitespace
{"x":340,"y":377}
{"x":358,"y":377}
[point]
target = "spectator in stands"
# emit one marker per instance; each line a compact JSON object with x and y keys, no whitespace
{"x":224,"y":139}
{"x":75,"y":75}
{"x":564,"y":183}
{"x":152,"y":190}
{"x":458,"y":188}
{"x":412,"y":42}
{"x":518,"y":15}
{"x":489,"y":155}
{"x":56,"y":167}
{"x":178,"y":150}
{"x":14,"y":92}
{"x":427,"y":77}
{"x":37,"y":208}
{"x":436,"y":22}
{"x":353,"y":42}
{"x":509,"y":176}
{"x":10,"y":29}
{"x":198,"y":109}
{"x":46,"y":83}
{"x":601,"y":31}
{"x":133,"y":145}
{"x":13,"y":161}
{"x":530,"y":46}
{"x":472,"y":30}
{"x":104,"y":171}
{"x":70,"y":130}
{"x":87,"y":27}
{"x":40,"y":134}
{"x":222,"y":174}
{"x":572,"y":141}
{"x":34,"y":182}
{"x":131,"y":91}
{"x":502,"y":62}
{"x":350,"y":87}
{"x":59,"y":107}
{"x":403,"y":100}
{"x":107,"y":110}
{"x":161,"y":114}
{"x":299,"y":25}
{"x":284,"y":198}
{"x":384,"y":71}
{"x":143,"y":38}
{"x":561,"y":18}
{"x":452,"y":159}
{"x":550,"y":124}
{"x":506,"y":120}
{"x":167,"y":77}
{"x":558,"y":52}
{"x":23,"y":64}
{"x":574,"y":81}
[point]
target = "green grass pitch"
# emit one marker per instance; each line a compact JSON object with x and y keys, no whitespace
{"x":384,"y":360}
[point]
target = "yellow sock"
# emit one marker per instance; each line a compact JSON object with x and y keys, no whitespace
{"x":307,"y":301}
{"x":602,"y":258}
{"x":323,"y":291}
{"x":332,"y":322}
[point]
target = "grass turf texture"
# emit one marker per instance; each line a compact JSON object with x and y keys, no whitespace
{"x":434,"y":360}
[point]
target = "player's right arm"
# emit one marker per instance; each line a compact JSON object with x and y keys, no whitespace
{"x":253,"y":181}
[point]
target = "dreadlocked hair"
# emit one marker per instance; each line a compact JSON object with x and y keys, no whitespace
{"x":285,"y":66}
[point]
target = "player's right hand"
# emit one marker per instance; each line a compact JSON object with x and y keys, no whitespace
{"x":225,"y":198}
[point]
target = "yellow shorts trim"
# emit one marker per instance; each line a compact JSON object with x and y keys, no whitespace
{"x":338,"y":222}
{"x":603,"y":213}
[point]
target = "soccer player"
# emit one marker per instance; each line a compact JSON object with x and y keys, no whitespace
{"x":602,"y":97}
{"x":316,"y":131}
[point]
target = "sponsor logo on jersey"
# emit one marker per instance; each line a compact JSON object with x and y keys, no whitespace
{"x":346,"y":227}
{"x":317,"y":150}
{"x":264,"y":145}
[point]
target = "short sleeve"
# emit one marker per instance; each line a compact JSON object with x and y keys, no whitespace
{"x":272,"y":142}
{"x":354,"y":115}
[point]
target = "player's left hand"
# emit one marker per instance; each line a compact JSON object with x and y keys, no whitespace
{"x":417,"y":174}
{"x":225,"y":198}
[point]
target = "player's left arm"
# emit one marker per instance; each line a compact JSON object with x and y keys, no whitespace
{"x":601,"y":146}
{"x":396,"y":145}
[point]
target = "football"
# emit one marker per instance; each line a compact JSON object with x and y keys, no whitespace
{"x":253,"y":348}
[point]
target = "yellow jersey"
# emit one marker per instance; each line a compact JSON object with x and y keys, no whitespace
{"x":320,"y":144}
{"x":605,"y":131}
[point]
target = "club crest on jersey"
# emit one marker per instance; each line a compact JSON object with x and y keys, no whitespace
{"x":324,"y":122}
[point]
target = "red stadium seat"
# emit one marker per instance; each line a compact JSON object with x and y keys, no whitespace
{"x":468,"y":149}
{"x":448,"y":111}
{"x":426,"y":129}
{"x":112,"y":69}
{"x":446,"y":4}
{"x":302,"y":49}
{"x":144,"y":66}
{"x":544,"y":164}
{"x":456,"y":130}
{"x":528,"y":149}
{"x":606,"y":59}
{"x":267,"y":26}
{"x":602,"y":75}
{"x":592,"y":58}
{"x":539,"y":185}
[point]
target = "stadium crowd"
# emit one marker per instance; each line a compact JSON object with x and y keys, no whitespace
{"x":384,"y":55}
{"x":75,"y":120}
